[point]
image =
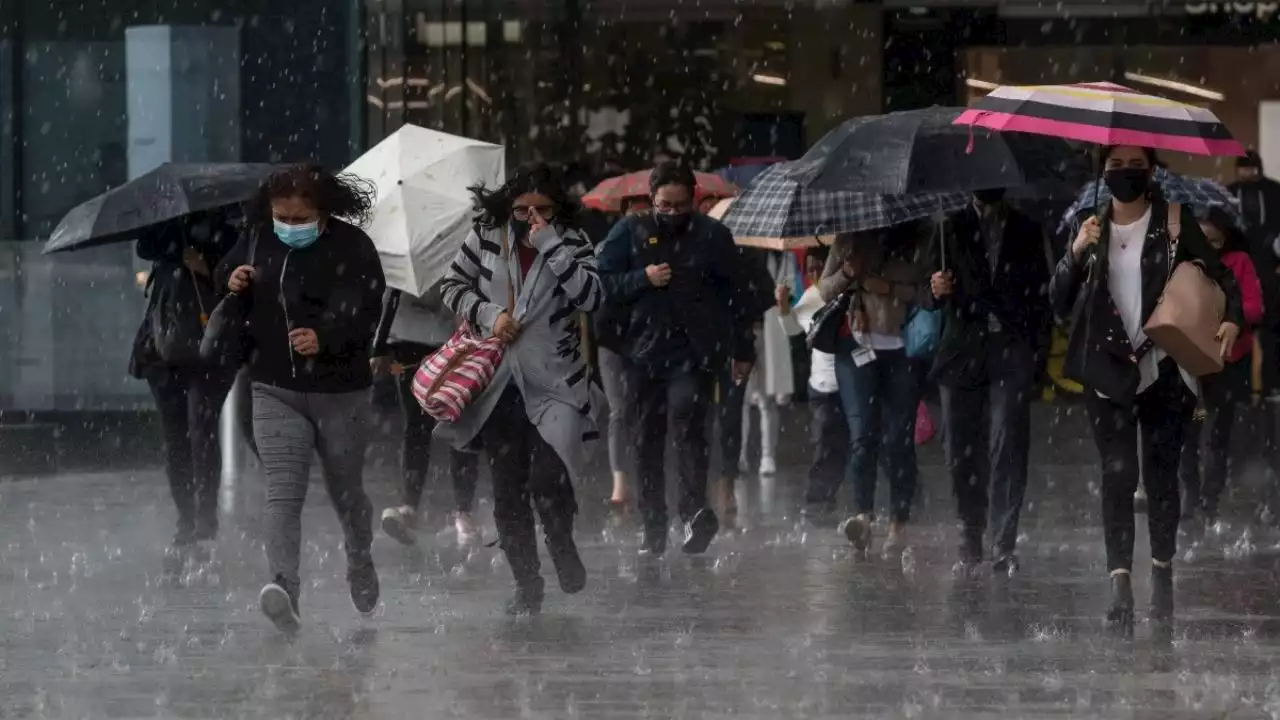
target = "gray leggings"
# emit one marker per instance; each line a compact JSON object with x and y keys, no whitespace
{"x":289,"y":426}
{"x":613,"y":375}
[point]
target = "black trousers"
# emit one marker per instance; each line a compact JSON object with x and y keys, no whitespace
{"x":190,"y":402}
{"x":729,"y":399}
{"x":1160,"y":413}
{"x":987,"y":439}
{"x":686,"y":395}
{"x":527,"y":474}
{"x":1222,"y":393}
{"x":829,"y":433}
{"x":415,"y":444}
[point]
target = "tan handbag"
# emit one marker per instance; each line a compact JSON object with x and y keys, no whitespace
{"x":1186,"y":319}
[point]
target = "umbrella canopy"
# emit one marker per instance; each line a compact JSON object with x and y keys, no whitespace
{"x":743,"y":175}
{"x":609,"y":194}
{"x":775,"y":206}
{"x":423,"y":210}
{"x":769,"y":243}
{"x":1200,"y":193}
{"x":1103,"y":113}
{"x":171,"y":191}
{"x":924,"y":151}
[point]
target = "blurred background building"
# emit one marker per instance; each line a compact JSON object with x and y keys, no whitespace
{"x":93,"y":92}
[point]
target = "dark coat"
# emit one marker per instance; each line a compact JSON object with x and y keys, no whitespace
{"x":1099,"y":354}
{"x":704,"y":316}
{"x":1260,"y":203}
{"x":333,"y":287}
{"x":1017,"y":294}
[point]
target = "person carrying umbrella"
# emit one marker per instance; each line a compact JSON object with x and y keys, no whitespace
{"x":990,"y":278}
{"x":1108,"y":284}
{"x":314,"y":287}
{"x":188,"y":392}
{"x":1259,"y":198}
{"x":409,"y":330}
{"x":679,"y":287}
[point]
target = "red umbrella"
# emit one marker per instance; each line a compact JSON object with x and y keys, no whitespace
{"x":609,"y":194}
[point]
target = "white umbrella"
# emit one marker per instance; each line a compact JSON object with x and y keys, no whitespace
{"x":423,"y":211}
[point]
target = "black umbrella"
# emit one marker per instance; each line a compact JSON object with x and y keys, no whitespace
{"x":166,"y":193}
{"x":923,"y":151}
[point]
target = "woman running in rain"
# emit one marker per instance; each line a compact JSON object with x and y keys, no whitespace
{"x":1114,"y":275}
{"x":315,"y":287}
{"x":524,"y":275}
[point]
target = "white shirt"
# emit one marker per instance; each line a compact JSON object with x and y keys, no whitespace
{"x":822,"y":366}
{"x":1124,"y":281}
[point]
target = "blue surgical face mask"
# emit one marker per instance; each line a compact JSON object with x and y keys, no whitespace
{"x":298,"y":236}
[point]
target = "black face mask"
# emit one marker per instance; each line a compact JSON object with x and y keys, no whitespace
{"x":519,"y":229}
{"x":989,"y":197}
{"x":673,"y":223}
{"x":1128,"y":184}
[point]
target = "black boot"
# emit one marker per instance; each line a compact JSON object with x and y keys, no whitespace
{"x":569,"y":568}
{"x":1162,"y":594}
{"x":528,"y":598}
{"x":1120,"y":615}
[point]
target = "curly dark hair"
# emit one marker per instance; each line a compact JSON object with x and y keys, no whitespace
{"x":493,"y":207}
{"x":344,"y":195}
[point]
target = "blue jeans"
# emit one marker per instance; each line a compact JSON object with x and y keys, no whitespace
{"x":879,"y":402}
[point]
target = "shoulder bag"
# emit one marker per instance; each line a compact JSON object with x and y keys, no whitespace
{"x":451,"y":378}
{"x":225,"y":341}
{"x":1186,"y":319}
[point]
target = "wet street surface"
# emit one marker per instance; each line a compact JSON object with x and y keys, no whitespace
{"x":778,"y":620}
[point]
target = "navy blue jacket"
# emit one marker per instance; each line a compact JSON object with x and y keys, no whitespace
{"x":703,"y":317}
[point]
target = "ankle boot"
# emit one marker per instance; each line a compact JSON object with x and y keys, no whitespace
{"x":1120,"y":615}
{"x":1162,"y":594}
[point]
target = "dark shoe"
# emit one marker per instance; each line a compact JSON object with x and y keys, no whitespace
{"x":363,"y":578}
{"x":1006,"y":564}
{"x":528,"y":599}
{"x":280,"y":607}
{"x":569,"y":568}
{"x":857,"y":530}
{"x":699,"y":532}
{"x":206,"y":530}
{"x":655,"y":543}
{"x":1120,"y":615}
{"x":1162,"y":594}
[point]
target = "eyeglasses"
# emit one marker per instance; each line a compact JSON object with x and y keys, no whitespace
{"x":521,"y":212}
{"x":662,"y":207}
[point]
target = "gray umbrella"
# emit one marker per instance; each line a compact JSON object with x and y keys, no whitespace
{"x":166,"y":193}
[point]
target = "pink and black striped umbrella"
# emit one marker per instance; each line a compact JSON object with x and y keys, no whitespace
{"x":1103,"y":113}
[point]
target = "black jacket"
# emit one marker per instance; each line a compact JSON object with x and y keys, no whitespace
{"x":1017,"y":294}
{"x":704,"y":316}
{"x":1099,"y":354}
{"x":179,"y":300}
{"x":333,"y":287}
{"x":1260,"y":203}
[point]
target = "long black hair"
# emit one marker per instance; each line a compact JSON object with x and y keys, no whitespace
{"x":493,"y":207}
{"x":344,"y":196}
{"x":1221,"y":219}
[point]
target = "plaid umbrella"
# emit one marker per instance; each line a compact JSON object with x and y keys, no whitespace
{"x":1200,"y":193}
{"x":609,"y":194}
{"x":769,"y":243}
{"x":1103,"y":113}
{"x":775,"y":206}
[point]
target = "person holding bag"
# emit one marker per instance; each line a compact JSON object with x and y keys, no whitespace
{"x":523,"y":276}
{"x":188,"y":391}
{"x":1110,"y":283}
{"x":311,"y":285}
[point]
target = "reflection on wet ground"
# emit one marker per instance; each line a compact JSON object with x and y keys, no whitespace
{"x":777,"y":621}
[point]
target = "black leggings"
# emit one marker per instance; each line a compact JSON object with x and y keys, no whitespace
{"x":1160,"y":413}
{"x":527,"y":473}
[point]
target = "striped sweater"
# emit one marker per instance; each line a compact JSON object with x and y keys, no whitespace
{"x":546,"y":362}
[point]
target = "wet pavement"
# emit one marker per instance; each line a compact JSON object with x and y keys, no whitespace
{"x":778,"y":620}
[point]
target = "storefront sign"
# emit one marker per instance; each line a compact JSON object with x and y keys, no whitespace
{"x":1260,"y":10}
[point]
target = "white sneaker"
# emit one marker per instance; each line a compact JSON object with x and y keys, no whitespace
{"x":768,"y":466}
{"x":468,"y":533}
{"x":278,"y":607}
{"x":401,"y":524}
